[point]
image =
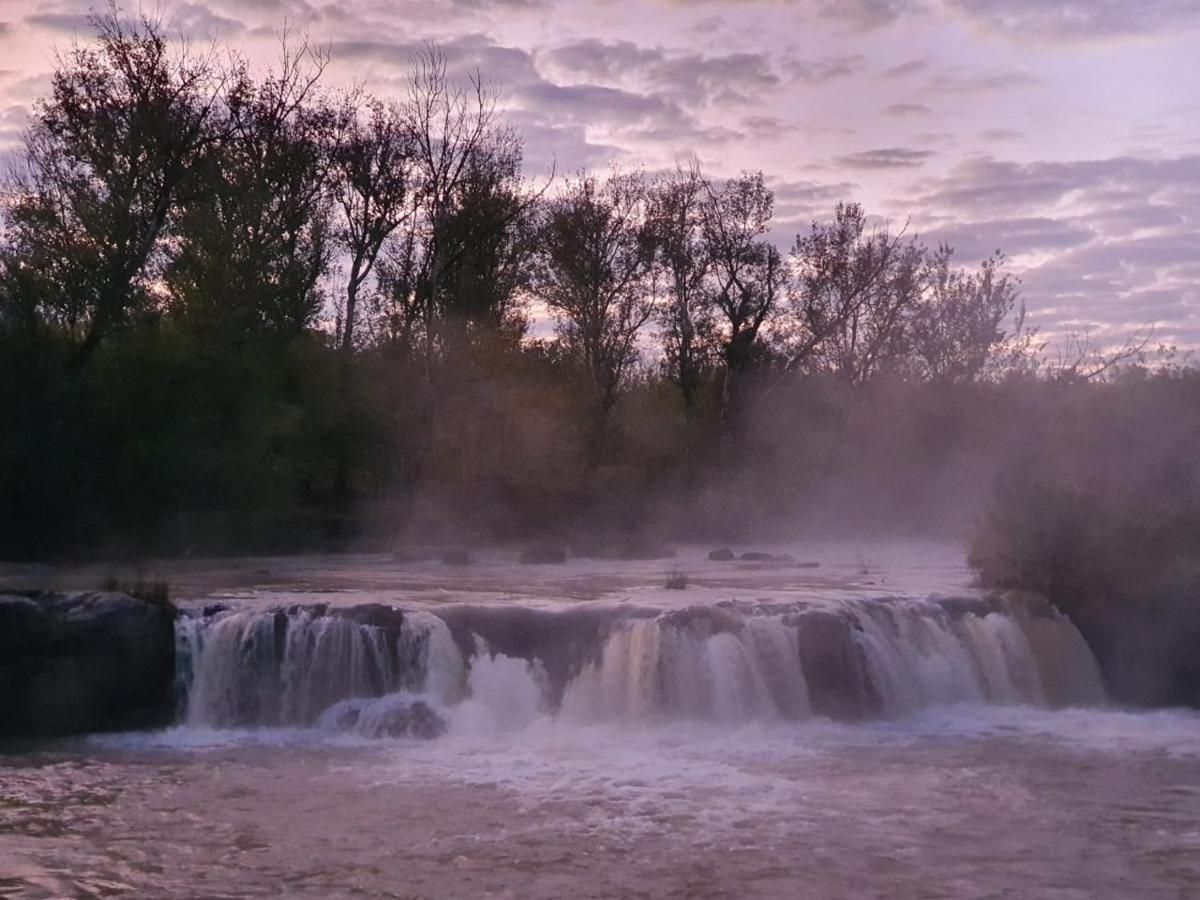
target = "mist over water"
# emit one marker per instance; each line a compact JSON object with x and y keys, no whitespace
{"x":771,"y":730}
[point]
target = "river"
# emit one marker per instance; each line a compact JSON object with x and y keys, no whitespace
{"x":372,"y":726}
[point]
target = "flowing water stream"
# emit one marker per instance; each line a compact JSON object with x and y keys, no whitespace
{"x":380,"y":728}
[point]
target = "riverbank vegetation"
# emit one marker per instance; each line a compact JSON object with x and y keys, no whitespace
{"x":244,"y":312}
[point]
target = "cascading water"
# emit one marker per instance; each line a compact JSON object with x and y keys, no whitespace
{"x":382,"y":670}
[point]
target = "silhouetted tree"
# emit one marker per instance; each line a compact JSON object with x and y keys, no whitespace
{"x":747,"y":274}
{"x":376,"y":189}
{"x":675,"y":226}
{"x":253,"y":245}
{"x":449,"y":128}
{"x":968,"y":323}
{"x":107,"y":158}
{"x":595,"y":258}
{"x":486,"y":237}
{"x":852,"y":293}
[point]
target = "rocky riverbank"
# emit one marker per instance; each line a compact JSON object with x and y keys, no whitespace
{"x":86,"y":661}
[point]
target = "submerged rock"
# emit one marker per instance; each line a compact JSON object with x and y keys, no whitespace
{"x":394,"y":715}
{"x":759,"y":556}
{"x":79,"y":662}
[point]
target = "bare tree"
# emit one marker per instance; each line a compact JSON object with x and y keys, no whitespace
{"x":1079,"y":356}
{"x":375,"y":185}
{"x":595,"y":259}
{"x":447,"y":126}
{"x":746,"y":272}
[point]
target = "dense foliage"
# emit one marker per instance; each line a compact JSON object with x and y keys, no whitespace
{"x":241,"y":312}
{"x":1098,"y":507}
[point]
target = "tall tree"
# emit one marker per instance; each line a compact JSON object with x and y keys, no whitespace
{"x":747,"y":274}
{"x":969,"y":323}
{"x":375,"y":184}
{"x":108,"y":157}
{"x":449,"y":126}
{"x":596,"y":256}
{"x":853,"y":292}
{"x":252,"y":247}
{"x":485,"y":239}
{"x":675,"y":226}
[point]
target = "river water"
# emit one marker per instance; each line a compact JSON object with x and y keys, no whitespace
{"x":869,"y":727}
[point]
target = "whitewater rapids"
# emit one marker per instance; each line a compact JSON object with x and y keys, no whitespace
{"x":728,"y":664}
{"x":873,"y":727}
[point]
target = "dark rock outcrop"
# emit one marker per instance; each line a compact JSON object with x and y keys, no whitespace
{"x":73,"y":663}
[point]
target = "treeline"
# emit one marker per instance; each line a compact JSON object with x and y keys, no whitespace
{"x":242,"y":311}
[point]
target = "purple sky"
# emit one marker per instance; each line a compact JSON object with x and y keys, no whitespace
{"x":1065,"y":132}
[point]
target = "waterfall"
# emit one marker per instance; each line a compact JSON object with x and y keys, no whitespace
{"x":383,"y":670}
{"x":289,"y":667}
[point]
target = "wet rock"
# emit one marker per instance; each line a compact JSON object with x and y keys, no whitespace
{"x":417,"y":719}
{"x":80,"y":662}
{"x":759,"y":556}
{"x":835,"y":669}
{"x":543,"y":554}
{"x":722,"y":555}
{"x":390,"y":716}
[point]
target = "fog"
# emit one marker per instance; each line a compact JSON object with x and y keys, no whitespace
{"x":376,"y":518}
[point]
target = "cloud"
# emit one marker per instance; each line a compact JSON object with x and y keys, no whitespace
{"x":1079,"y":19}
{"x":1032,"y":234}
{"x":857,"y":15}
{"x":862,"y":15}
{"x":692,"y":78}
{"x":959,"y":82}
{"x":560,"y":147}
{"x":64,"y":23}
{"x":985,"y":184}
{"x":590,"y":104}
{"x":900,"y":110}
{"x":765,"y":128}
{"x":886,"y":158}
{"x":1107,"y":243}
{"x":504,"y":66}
{"x":1001,"y":134}
{"x":508,"y":6}
{"x":196,"y":20}
{"x":912,"y":67}
{"x":823,"y":71}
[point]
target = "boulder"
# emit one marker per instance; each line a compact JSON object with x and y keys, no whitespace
{"x":394,"y":715}
{"x":722,"y":555}
{"x":759,"y":556}
{"x":79,"y":662}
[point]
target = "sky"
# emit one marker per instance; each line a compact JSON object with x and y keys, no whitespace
{"x":1064,"y":132}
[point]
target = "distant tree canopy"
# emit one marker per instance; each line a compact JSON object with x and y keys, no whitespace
{"x":242,"y":309}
